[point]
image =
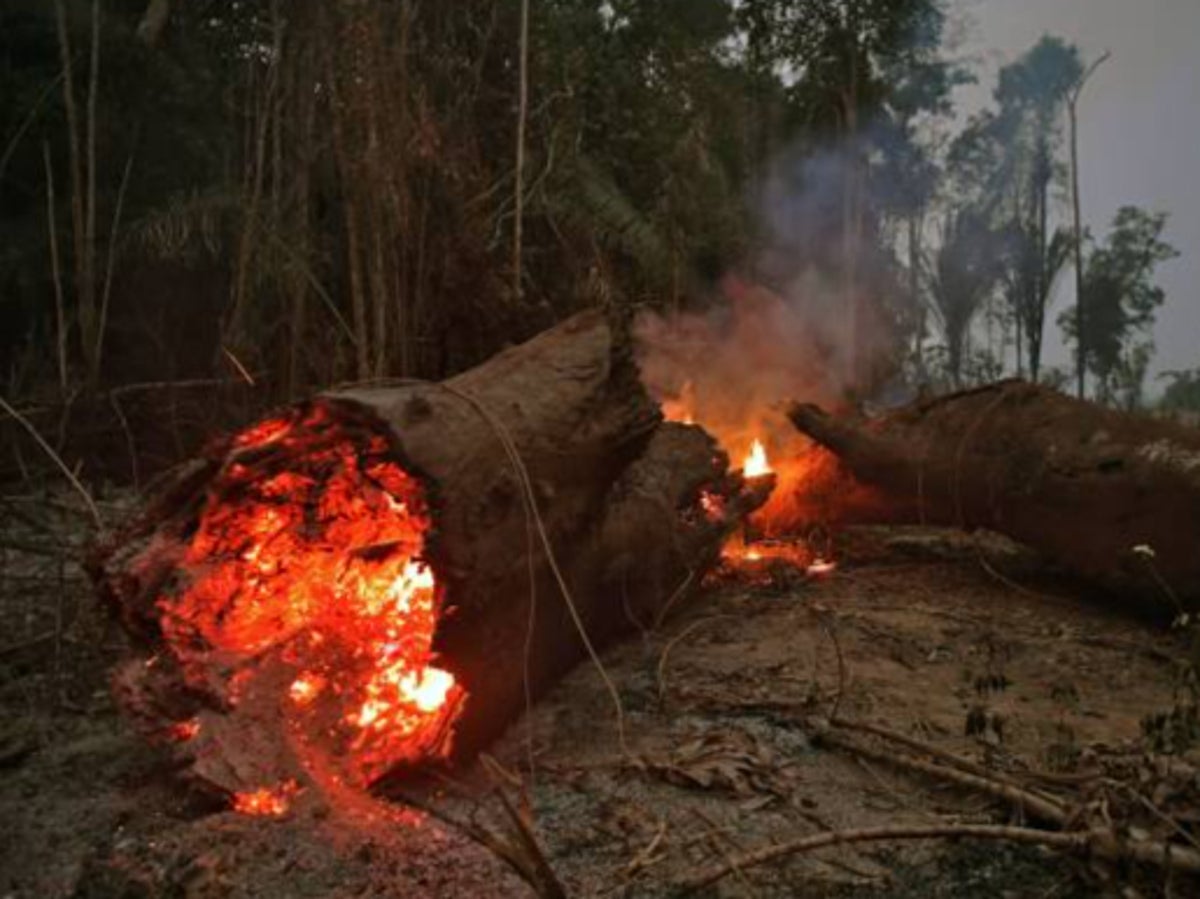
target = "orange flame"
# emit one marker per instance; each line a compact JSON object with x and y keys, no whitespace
{"x":756,"y":464}
{"x":306,"y":560}
{"x":265,"y":801}
{"x":182,"y":731}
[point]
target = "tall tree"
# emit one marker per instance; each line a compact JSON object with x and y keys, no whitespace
{"x":909,"y":173}
{"x":1121,"y":299}
{"x":863,"y":67}
{"x":1018,"y":146}
{"x":1031,"y":269}
{"x":1073,"y":108}
{"x":963,"y":273}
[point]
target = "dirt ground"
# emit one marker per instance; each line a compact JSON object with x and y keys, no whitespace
{"x":738,"y":726}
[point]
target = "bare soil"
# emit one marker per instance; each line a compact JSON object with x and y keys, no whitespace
{"x":963,"y":643}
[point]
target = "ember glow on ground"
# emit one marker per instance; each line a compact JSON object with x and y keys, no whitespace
{"x":308,"y":556}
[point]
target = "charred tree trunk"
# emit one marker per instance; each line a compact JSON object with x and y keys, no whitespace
{"x":618,"y":514}
{"x":1113,"y":498}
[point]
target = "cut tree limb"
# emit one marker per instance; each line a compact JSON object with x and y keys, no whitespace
{"x":1112,"y":497}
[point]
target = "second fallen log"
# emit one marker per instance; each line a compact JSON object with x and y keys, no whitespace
{"x":1114,"y":498}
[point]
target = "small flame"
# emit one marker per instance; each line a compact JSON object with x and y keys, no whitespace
{"x":265,"y":801}
{"x":182,"y":731}
{"x":821,"y":568}
{"x":756,"y":464}
{"x":681,"y":408}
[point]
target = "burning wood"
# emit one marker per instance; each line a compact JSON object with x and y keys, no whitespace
{"x":756,"y":464}
{"x":377,"y":579}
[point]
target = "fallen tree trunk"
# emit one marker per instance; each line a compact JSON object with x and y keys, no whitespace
{"x":1112,"y":497}
{"x":527,"y":508}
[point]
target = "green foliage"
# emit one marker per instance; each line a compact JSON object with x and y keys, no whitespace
{"x":1120,"y":300}
{"x":327,"y":190}
{"x":1183,"y":391}
{"x":964,"y":272}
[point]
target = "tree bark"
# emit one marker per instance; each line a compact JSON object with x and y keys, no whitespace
{"x":618,"y":495}
{"x":1114,"y":498}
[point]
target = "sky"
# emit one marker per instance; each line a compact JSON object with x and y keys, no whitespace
{"x":1139,"y":131}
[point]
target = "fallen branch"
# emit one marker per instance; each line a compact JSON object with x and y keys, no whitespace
{"x":942,"y":755}
{"x":1076,"y":842}
{"x":1103,"y":842}
{"x":1038,"y":806}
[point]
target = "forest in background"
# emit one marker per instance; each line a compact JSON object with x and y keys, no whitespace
{"x":297,"y":194}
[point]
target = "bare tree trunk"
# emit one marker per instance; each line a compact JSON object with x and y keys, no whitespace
{"x":349,"y":176}
{"x":260,"y":129}
{"x":88,"y":313}
{"x":1080,"y":321}
{"x":519,"y":174}
{"x":74,"y":142}
{"x":302,"y":75}
{"x":110,"y":263}
{"x":60,"y":317}
{"x":914,"y":287}
{"x":1080,"y":334}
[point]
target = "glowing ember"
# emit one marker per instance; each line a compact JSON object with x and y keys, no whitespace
{"x":756,"y":464}
{"x":713,"y":505}
{"x":304,"y":594}
{"x":182,"y":731}
{"x":266,"y":802}
{"x":305,"y":688}
{"x":821,"y":568}
{"x":759,"y":555}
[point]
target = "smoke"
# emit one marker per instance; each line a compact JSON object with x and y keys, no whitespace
{"x":733,"y":368}
{"x":802,"y":320}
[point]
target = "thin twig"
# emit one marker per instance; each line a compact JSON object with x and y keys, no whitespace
{"x":60,"y":318}
{"x":841,"y":661}
{"x":544,"y":880}
{"x":110,"y":260}
{"x":30,"y":116}
{"x":87,"y":497}
{"x":662,"y":659}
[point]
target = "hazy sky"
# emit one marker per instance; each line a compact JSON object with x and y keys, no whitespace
{"x":1139,"y":134}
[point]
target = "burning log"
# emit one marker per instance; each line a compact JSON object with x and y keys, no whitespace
{"x":1112,"y":497}
{"x":382,"y":577}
